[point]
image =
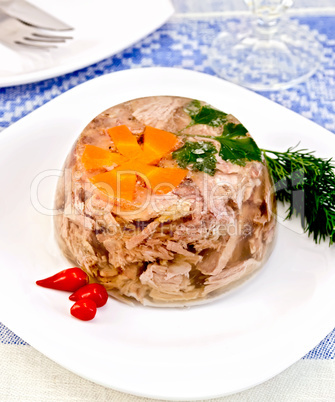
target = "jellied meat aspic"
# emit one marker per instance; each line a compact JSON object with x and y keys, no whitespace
{"x":183,"y":245}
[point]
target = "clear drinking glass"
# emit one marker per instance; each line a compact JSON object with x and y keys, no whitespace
{"x":270,"y":52}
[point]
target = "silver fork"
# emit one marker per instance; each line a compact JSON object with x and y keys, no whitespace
{"x":14,"y":32}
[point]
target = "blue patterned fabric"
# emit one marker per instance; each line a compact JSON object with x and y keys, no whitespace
{"x":184,"y":44}
{"x":9,"y":338}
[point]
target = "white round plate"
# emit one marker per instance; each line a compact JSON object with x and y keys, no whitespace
{"x":248,"y":336}
{"x":102,"y":28}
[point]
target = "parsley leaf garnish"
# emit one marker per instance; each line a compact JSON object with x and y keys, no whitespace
{"x":236,"y":146}
{"x":199,"y":155}
{"x":236,"y":130}
{"x":193,"y":108}
{"x":205,"y":114}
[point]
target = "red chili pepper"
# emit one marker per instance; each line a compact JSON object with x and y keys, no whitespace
{"x":93,"y":291}
{"x":69,"y":280}
{"x":84,"y":309}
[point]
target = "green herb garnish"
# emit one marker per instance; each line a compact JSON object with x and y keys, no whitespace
{"x":205,"y":115}
{"x":199,"y":155}
{"x":307,"y":183}
{"x":236,"y":146}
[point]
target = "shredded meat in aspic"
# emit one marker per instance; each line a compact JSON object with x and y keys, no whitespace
{"x":184,"y":246}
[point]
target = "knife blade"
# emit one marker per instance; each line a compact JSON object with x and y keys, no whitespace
{"x":32,"y":15}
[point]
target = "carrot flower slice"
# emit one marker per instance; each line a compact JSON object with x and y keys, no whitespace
{"x":95,"y":158}
{"x":157,"y":143}
{"x":164,"y":180}
{"x":133,"y":162}
{"x":160,"y":180}
{"x":116,"y":184}
{"x":136,"y":167}
{"x":125,"y":141}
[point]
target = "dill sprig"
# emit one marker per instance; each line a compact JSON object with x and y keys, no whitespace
{"x":307,"y":183}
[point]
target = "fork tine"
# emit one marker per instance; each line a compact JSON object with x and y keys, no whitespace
{"x":29,"y":24}
{"x":35,"y":37}
{"x":43,"y":40}
{"x":35,"y":46}
{"x":52,"y":37}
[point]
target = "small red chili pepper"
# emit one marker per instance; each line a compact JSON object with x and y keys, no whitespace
{"x":69,"y":280}
{"x":84,"y":309}
{"x":93,"y":291}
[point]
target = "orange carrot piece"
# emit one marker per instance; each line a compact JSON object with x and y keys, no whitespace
{"x":157,"y":143}
{"x":116,"y":184}
{"x":136,"y":167}
{"x":164,"y":180}
{"x":125,"y":142}
{"x":95,"y":157}
{"x":160,"y":180}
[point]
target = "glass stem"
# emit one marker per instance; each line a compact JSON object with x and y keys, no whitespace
{"x":268,"y":14}
{"x":266,"y":28}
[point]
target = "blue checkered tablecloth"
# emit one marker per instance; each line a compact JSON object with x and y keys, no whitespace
{"x":184,"y":43}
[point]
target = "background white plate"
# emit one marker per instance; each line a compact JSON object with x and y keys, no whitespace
{"x":248,"y":336}
{"x":101,"y":29}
